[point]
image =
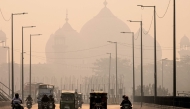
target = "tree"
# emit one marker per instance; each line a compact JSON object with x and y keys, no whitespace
{"x":124,"y":73}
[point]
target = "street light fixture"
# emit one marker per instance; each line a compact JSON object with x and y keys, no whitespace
{"x":141,"y":62}
{"x":22,"y":59}
{"x":13,"y":51}
{"x":109,"y":73}
{"x":30,"y":57}
{"x":133,"y":62}
{"x":116,"y":63}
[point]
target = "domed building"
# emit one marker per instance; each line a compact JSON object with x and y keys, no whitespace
{"x":184,"y":47}
{"x":59,"y":43}
{"x":104,"y":27}
{"x":61,"y":50}
{"x":3,"y":51}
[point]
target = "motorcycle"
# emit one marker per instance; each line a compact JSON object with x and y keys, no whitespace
{"x":17,"y":106}
{"x":29,"y":104}
{"x":98,"y":106}
{"x":45,"y":105}
{"x":51,"y":105}
{"x":126,"y":106}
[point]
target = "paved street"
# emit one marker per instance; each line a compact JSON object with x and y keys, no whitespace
{"x":86,"y":106}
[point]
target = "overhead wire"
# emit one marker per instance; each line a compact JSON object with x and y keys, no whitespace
{"x":165,"y":11}
{"x":149,"y":26}
{"x":3,"y":16}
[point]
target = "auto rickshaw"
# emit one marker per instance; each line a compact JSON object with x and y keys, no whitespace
{"x":69,"y":100}
{"x":98,"y":100}
{"x":80,"y":100}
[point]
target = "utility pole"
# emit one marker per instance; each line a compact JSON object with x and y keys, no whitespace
{"x":12,"y":47}
{"x":22,"y":60}
{"x":133,"y":53}
{"x":174,"y":51}
{"x":142,"y":93}
{"x":155,"y":56}
{"x":31,"y":59}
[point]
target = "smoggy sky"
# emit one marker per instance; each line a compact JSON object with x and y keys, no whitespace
{"x":49,"y":15}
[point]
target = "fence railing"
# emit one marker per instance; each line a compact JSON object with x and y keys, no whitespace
{"x":165,"y":100}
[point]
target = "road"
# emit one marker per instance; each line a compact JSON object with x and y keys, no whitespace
{"x":86,"y":106}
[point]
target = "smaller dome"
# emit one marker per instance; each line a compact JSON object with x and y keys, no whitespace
{"x":184,"y":40}
{"x":2,"y":35}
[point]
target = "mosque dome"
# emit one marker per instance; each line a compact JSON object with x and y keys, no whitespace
{"x":104,"y":27}
{"x":64,"y":39}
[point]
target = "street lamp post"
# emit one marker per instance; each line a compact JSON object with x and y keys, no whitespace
{"x":115,"y":63}
{"x":174,"y":49}
{"x":133,"y":62}
{"x":13,"y":51}
{"x":8,"y":68}
{"x":109,"y":73}
{"x":30,"y":58}
{"x":22,"y":59}
{"x":141,"y":62}
{"x":155,"y":56}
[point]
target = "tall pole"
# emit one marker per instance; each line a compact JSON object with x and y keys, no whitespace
{"x":12,"y":50}
{"x":141,"y":68}
{"x":162,"y":73}
{"x":12,"y":58}
{"x":155,"y":58}
{"x":174,"y":52}
{"x":30,"y":59}
{"x":22,"y":59}
{"x":133,"y":66}
{"x":22,"y":69}
{"x":30,"y":65}
{"x":141,"y":63}
{"x":133,"y":42}
{"x":116,"y":67}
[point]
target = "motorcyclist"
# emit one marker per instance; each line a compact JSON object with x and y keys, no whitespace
{"x":45,"y":99}
{"x":125,"y":101}
{"x":17,"y":100}
{"x":29,"y":99}
{"x":51,"y":99}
